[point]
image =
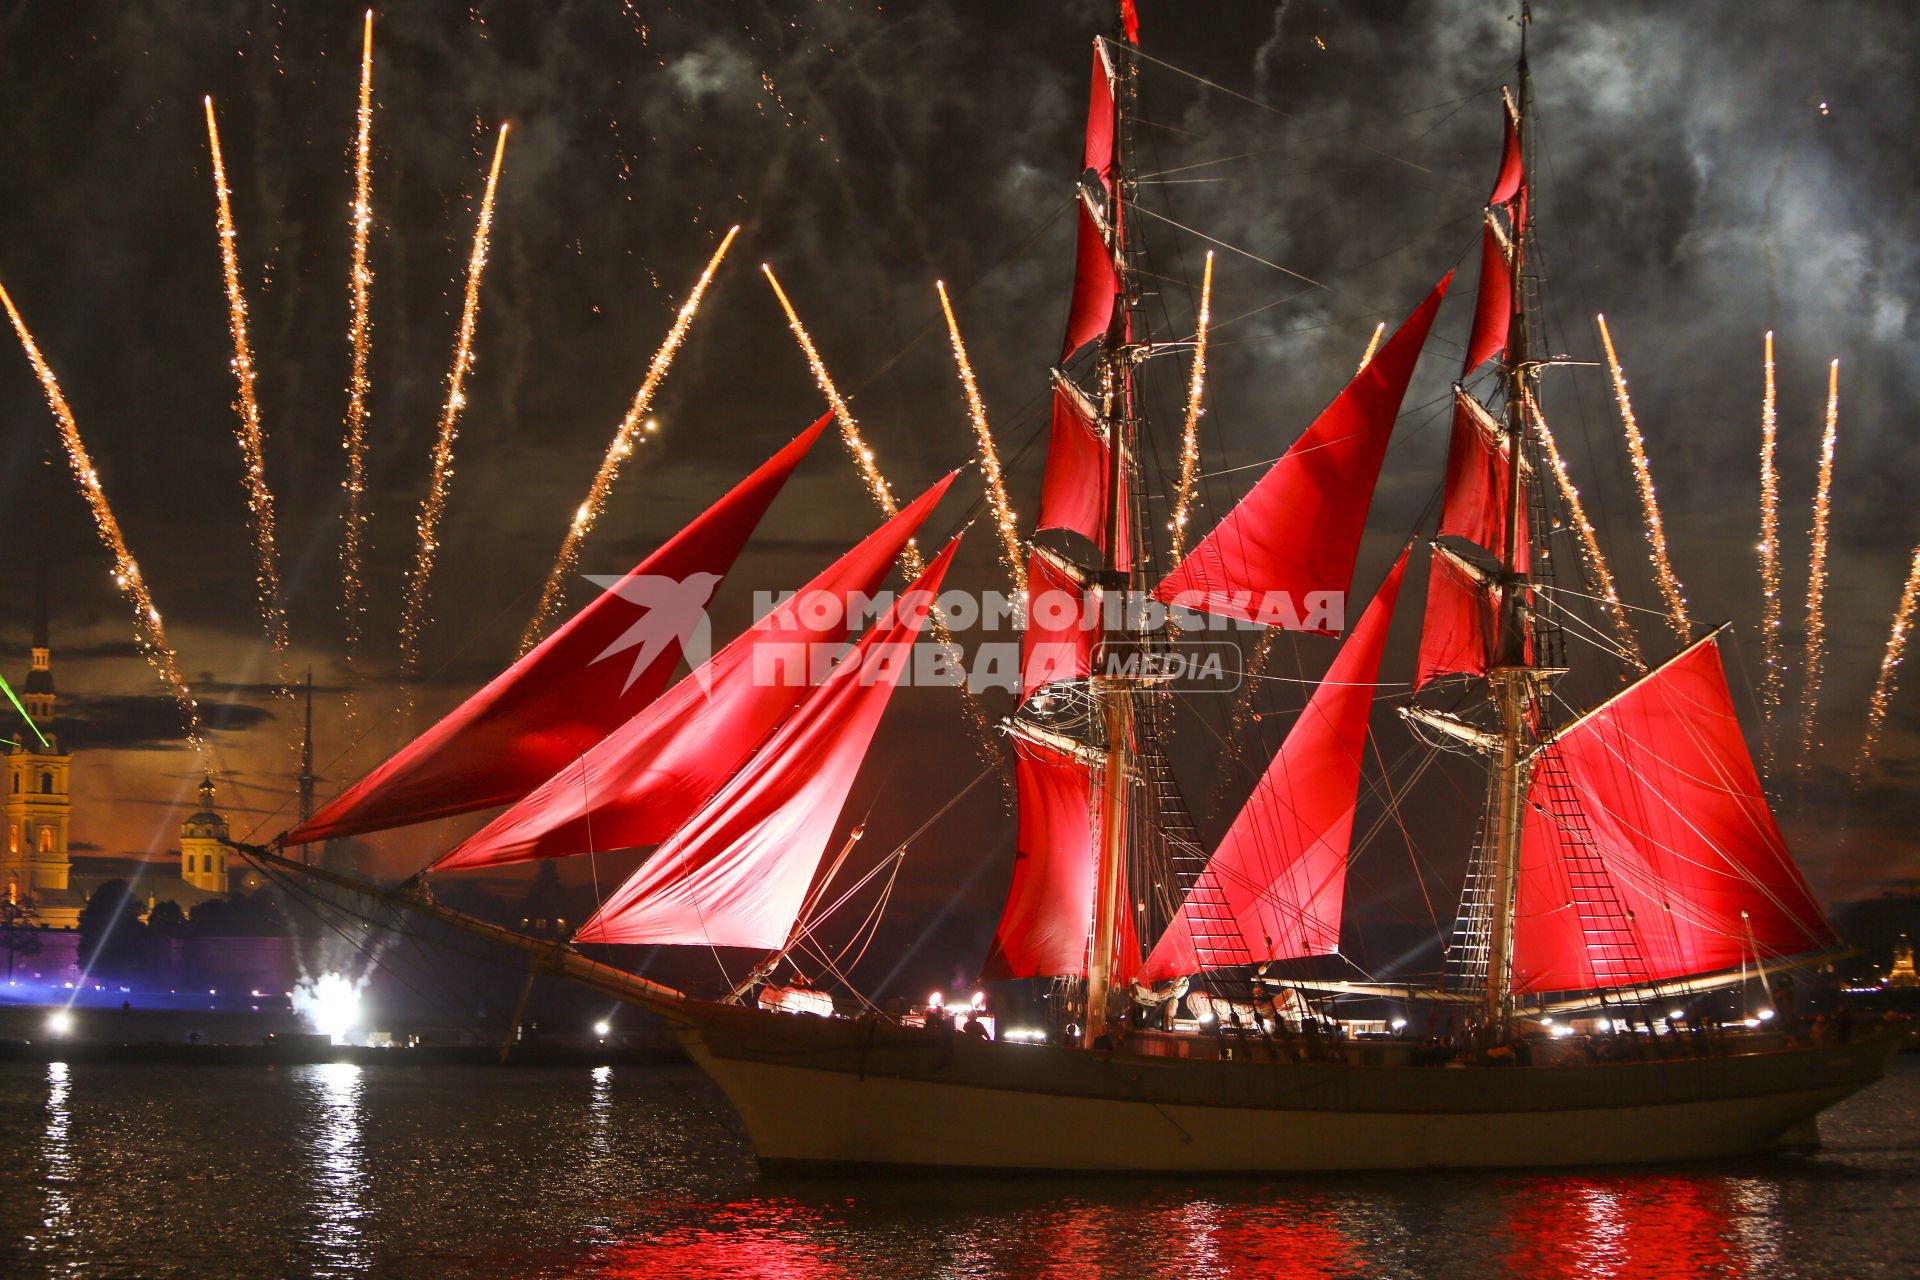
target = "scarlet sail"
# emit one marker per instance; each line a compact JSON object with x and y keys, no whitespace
{"x":648,"y":776}
{"x":737,"y":873}
{"x":1073,"y":493}
{"x":1280,"y":871}
{"x":1493,"y":307}
{"x":1298,"y":531}
{"x":1647,"y":817}
{"x":1061,"y":627}
{"x":1095,"y":283}
{"x":1457,"y":633}
{"x":570,"y":690}
{"x":1474,"y":502}
{"x":1045,"y":925}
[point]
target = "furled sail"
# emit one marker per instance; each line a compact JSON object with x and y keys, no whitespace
{"x":1279,"y":874}
{"x":737,"y":873}
{"x":1297,"y":532}
{"x":1045,"y":925}
{"x":1095,"y":283}
{"x":569,"y":691}
{"x":1649,"y":852}
{"x":653,"y":772}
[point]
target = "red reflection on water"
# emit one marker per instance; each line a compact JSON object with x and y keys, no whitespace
{"x":1643,"y":1228}
{"x":775,"y":1239}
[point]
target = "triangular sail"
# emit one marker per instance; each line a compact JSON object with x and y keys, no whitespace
{"x":653,"y":772}
{"x":1654,"y":797}
{"x":569,"y":691}
{"x":737,"y":873}
{"x":1298,"y":531}
{"x":1281,"y":868}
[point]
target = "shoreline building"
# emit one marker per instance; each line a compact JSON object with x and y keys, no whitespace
{"x":36,"y":862}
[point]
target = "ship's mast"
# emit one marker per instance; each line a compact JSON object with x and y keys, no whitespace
{"x":1512,"y":673}
{"x":1113,"y":674}
{"x":307,"y":779}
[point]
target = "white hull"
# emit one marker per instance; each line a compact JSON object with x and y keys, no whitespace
{"x":818,"y":1092}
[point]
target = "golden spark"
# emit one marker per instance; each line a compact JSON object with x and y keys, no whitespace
{"x":1190,"y":432}
{"x":849,"y":429}
{"x":249,"y":432}
{"x":149,"y":633}
{"x":1373,"y":345}
{"x":1649,"y":503}
{"x":1599,"y":577}
{"x":1889,"y":667}
{"x":360,"y":340}
{"x":413,"y":620}
{"x":632,"y":431}
{"x":1773,"y":679}
{"x":1815,"y":662}
{"x":1003,"y":516}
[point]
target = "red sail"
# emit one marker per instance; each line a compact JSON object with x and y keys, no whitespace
{"x":1653,"y":797}
{"x":1473,"y":505}
{"x":653,"y":772}
{"x":1493,"y":308}
{"x":565,"y":694}
{"x":1506,"y":183}
{"x":1457,"y":634}
{"x":1280,"y":872}
{"x":1094,"y":282}
{"x":1073,"y":493}
{"x":737,"y":873}
{"x":1061,"y":628}
{"x":1297,"y":533}
{"x":1048,"y":918}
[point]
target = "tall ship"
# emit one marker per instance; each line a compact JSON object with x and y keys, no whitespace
{"x":1627,"y":865}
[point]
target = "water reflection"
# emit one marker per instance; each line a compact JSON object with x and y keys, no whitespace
{"x":600,"y":1113}
{"x":774,"y":1239}
{"x":335,"y":1155}
{"x":56,"y":1148}
{"x":1653,"y":1226}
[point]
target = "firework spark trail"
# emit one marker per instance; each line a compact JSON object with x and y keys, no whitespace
{"x":149,"y":632}
{"x":1190,"y":432}
{"x":624,"y":438}
{"x":360,"y":340}
{"x":1649,"y":503}
{"x":1773,"y":679}
{"x":1883,"y":688}
{"x":911,"y":563}
{"x":1373,"y":345}
{"x":1003,"y":516}
{"x":249,"y":432}
{"x":1599,"y":577}
{"x":1816,"y":657}
{"x":849,"y":429}
{"x":413,"y":620}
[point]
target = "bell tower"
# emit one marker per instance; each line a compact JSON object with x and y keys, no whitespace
{"x":203,"y":852}
{"x":34,"y":858}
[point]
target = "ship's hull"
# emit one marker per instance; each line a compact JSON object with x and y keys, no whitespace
{"x":817,"y":1092}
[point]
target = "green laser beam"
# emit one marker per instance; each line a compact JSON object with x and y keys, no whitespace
{"x":14,"y":698}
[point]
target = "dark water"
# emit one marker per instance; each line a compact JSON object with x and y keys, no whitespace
{"x":338,"y":1170}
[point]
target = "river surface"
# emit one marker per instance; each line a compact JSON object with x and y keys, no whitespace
{"x":402,"y":1171}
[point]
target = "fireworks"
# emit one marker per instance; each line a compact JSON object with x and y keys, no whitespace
{"x":359,"y":338}
{"x":849,"y":429}
{"x":413,"y":620}
{"x":249,"y":431}
{"x":1817,"y":572}
{"x":1190,"y":433}
{"x":1649,"y":503}
{"x":625,"y":436}
{"x":989,"y":456}
{"x":149,"y":633}
{"x":1373,"y":343}
{"x":1773,"y":678}
{"x":1599,"y":577}
{"x":1889,"y":667}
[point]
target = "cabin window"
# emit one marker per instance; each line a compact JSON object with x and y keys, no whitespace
{"x":46,"y":784}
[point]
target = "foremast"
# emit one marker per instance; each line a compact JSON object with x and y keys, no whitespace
{"x":1512,"y":676}
{"x":1114,"y":675}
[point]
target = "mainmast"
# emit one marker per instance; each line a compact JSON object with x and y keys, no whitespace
{"x":1113,"y":673}
{"x":1512,"y":674}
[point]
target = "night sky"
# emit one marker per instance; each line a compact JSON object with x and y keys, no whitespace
{"x":1706,"y":172}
